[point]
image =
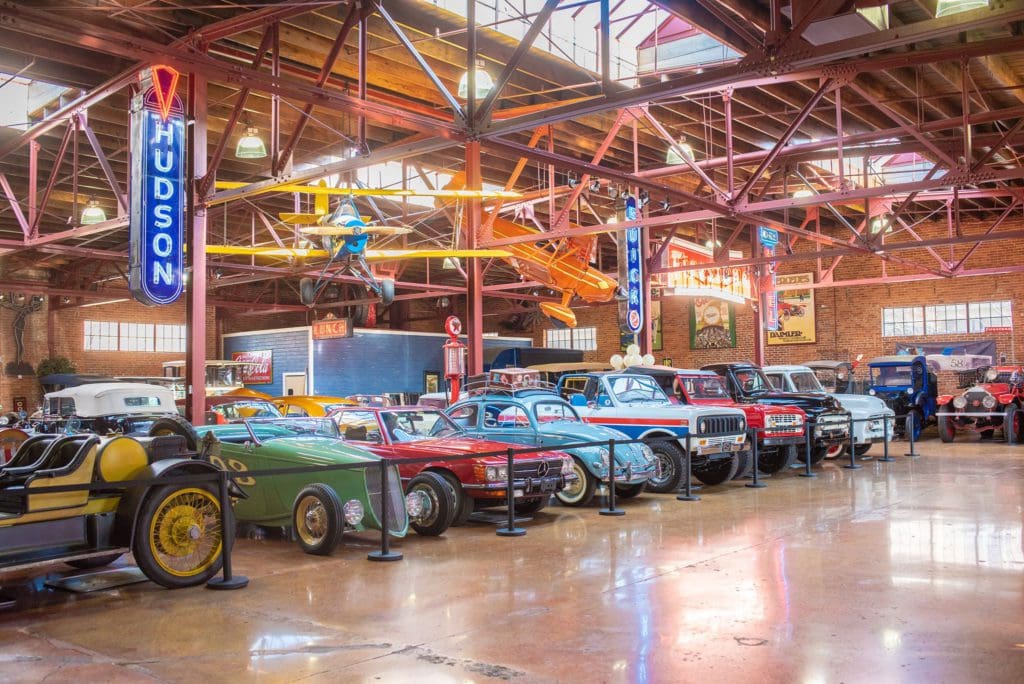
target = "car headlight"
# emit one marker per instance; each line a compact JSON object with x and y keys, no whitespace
{"x":567,"y":466}
{"x":648,"y":453}
{"x":496,"y":473}
{"x":417,"y":504}
{"x":910,"y":390}
{"x":353,"y":510}
{"x":960,"y":402}
{"x":871,"y":392}
{"x":989,"y":402}
{"x":874,"y":425}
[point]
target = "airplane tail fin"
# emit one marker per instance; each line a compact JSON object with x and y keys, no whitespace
{"x":560,"y":312}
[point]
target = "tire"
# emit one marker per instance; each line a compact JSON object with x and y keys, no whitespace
{"x":318,"y":519}
{"x":629,"y":491}
{"x":718,"y":471}
{"x":947,"y":430}
{"x":387,"y":291}
{"x":532,"y":506}
{"x":861,"y":449}
{"x":773,"y":460}
{"x":671,"y":459}
{"x":94,"y":562}
{"x":817,"y":454}
{"x":464,"y":505}
{"x":837,"y":450}
{"x":1013,"y":422}
{"x":175,"y":425}
{"x":442,"y":501}
{"x":742,"y":464}
{"x":178,"y":539}
{"x":580,"y":492}
{"x":307,"y":291}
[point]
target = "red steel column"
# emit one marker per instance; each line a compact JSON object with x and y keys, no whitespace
{"x":195,"y":293}
{"x":474,"y":270}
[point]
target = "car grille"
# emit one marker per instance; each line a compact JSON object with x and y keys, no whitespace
{"x":710,"y":425}
{"x":524,"y":469}
{"x":396,"y":500}
{"x":783,"y":422}
{"x":974,"y":404}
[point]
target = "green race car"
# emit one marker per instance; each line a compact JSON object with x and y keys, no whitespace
{"x":319,"y":506}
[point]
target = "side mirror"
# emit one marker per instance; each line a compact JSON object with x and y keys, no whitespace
{"x":248,"y":446}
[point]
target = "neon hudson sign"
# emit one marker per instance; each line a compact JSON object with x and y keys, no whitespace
{"x":156,"y":266}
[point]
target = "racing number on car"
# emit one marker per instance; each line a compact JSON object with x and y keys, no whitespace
{"x":234,"y":465}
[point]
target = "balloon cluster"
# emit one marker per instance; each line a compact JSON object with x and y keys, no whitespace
{"x":632,"y":358}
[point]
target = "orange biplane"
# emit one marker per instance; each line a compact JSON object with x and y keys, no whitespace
{"x":561,"y":264}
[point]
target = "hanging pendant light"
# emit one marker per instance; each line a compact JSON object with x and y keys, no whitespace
{"x":679,"y":153}
{"x":484,"y":82}
{"x":450,"y":264}
{"x":93,"y":213}
{"x":251,"y":145}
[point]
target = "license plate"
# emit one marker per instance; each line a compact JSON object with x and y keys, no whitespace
{"x":710,"y":449}
{"x":547,"y":485}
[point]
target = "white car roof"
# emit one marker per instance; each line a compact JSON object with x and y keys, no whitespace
{"x":105,"y":389}
{"x":785,"y":368}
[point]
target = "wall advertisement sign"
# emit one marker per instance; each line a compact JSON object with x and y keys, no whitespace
{"x":331,"y":328}
{"x":795,"y":305}
{"x":260,"y":366}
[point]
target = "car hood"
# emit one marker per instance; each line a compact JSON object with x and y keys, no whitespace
{"x":808,"y":401}
{"x":314,"y":451}
{"x":449,"y":446}
{"x":862,"y":405}
{"x":562,"y":432}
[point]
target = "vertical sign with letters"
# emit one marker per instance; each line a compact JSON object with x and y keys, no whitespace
{"x":156,"y":248}
{"x":768,"y":239}
{"x":634,"y":318}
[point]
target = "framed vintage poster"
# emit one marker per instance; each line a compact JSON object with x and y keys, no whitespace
{"x":259,"y":368}
{"x":712,"y":324}
{"x":431,"y":382}
{"x":796,"y":310}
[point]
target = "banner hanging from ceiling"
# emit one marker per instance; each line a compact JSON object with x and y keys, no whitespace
{"x":731,"y":283}
{"x":795,"y":305}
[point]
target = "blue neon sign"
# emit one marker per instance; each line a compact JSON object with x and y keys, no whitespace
{"x":156,"y":252}
{"x":634,"y":273}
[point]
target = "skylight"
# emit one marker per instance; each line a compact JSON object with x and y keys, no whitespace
{"x":573,"y":33}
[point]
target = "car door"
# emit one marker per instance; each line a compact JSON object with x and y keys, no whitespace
{"x":507,"y":421}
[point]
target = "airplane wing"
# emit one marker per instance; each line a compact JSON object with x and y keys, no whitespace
{"x":376,"y":192}
{"x":395,"y":254}
{"x":233,"y":250}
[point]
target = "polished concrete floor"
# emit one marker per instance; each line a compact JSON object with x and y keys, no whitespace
{"x":907,"y":571}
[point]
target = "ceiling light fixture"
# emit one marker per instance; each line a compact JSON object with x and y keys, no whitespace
{"x":484,"y":82}
{"x":93,"y":213}
{"x":595,"y":185}
{"x":251,"y":145}
{"x":679,"y":153}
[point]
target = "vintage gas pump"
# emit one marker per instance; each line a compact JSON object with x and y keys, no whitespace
{"x":454,"y":358}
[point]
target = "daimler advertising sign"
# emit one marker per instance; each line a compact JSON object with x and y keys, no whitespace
{"x":156,"y":249}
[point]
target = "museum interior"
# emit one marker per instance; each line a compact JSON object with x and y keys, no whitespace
{"x":673,"y":330}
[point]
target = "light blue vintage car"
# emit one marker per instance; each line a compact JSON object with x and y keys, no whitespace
{"x":540,"y":417}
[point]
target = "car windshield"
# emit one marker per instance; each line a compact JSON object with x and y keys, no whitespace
{"x":805,"y":381}
{"x":246,"y":408}
{"x":632,"y":389}
{"x":266,"y":429}
{"x":828,"y":379}
{"x":891,"y":376}
{"x":705,"y":387}
{"x":752,"y":381}
{"x":551,"y":411}
{"x":412,"y":426}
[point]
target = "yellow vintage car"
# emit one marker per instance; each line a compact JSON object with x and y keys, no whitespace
{"x":315,"y":406}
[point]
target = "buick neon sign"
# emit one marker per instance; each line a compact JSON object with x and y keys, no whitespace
{"x":156,"y":252}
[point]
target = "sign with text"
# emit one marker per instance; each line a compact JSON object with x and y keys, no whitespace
{"x":795,"y":302}
{"x":731,"y":283}
{"x":156,"y":261}
{"x":768,"y":238}
{"x":259,"y":368}
{"x":330,"y":328}
{"x":633,"y":320}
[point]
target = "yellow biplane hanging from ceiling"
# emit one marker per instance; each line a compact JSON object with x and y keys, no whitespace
{"x":344,"y":235}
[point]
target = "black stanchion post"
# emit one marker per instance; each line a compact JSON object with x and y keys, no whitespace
{"x":385,"y":553}
{"x":910,"y":424}
{"x":808,"y":430}
{"x":752,"y":436}
{"x":510,"y":529}
{"x":611,"y":510}
{"x":687,"y":494}
{"x":227,"y":538}
{"x":885,"y":441}
{"x":852,"y":465}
